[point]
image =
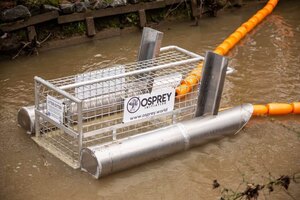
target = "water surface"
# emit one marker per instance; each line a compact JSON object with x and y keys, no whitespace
{"x":267,"y":70}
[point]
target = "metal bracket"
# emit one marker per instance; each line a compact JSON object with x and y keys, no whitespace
{"x":150,"y":44}
{"x":212,"y":83}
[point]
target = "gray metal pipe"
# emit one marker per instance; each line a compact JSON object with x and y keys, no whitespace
{"x":26,"y":118}
{"x":115,"y":156}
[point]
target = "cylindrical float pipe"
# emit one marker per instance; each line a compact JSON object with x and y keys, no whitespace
{"x":26,"y":118}
{"x":111,"y":157}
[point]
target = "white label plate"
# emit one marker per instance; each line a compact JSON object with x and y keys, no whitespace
{"x":55,"y":109}
{"x":148,"y":105}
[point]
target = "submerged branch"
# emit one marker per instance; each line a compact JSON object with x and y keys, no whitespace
{"x":252,"y":190}
{"x":31,"y":47}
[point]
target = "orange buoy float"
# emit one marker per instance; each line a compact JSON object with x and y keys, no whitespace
{"x":296,"y":107}
{"x":249,"y":25}
{"x":260,"y":110}
{"x":191,"y":80}
{"x":279,"y":108}
{"x":182,"y":90}
{"x":242,"y":30}
{"x":276,"y":109}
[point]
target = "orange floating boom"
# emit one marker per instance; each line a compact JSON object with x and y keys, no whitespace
{"x":187,"y":84}
{"x":195,"y":76}
{"x":246,"y":27}
{"x":277,"y":109}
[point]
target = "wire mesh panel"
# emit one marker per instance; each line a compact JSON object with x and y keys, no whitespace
{"x":113,"y":103}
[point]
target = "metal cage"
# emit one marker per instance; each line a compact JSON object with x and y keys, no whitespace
{"x":88,"y":109}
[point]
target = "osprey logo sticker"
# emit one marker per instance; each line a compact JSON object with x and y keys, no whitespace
{"x":147,"y":105}
{"x":133,"y":105}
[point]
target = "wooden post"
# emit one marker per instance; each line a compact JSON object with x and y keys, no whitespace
{"x":143,"y":18}
{"x":31,"y":33}
{"x":90,"y":26}
{"x":196,"y":10}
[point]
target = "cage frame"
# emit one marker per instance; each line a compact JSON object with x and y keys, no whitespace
{"x":79,"y":135}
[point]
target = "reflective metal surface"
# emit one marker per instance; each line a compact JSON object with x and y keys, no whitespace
{"x":211,"y":84}
{"x":105,"y":159}
{"x":150,"y":44}
{"x":26,"y":118}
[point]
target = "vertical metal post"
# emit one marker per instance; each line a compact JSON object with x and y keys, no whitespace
{"x":80,"y":130}
{"x":212,"y":83}
{"x":36,"y":107}
{"x":150,"y":44}
{"x":149,"y":48}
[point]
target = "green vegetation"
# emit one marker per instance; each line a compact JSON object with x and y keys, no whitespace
{"x":73,"y":29}
{"x":132,"y":18}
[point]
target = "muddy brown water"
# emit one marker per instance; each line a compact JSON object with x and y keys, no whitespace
{"x":267,"y":70}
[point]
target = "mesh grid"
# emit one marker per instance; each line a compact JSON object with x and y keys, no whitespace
{"x":102,"y":94}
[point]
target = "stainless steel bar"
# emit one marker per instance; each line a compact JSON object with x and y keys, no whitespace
{"x":80,"y":127}
{"x":101,"y":160}
{"x":150,"y":44}
{"x":211,"y":85}
{"x":149,"y":49}
{"x":36,"y":107}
